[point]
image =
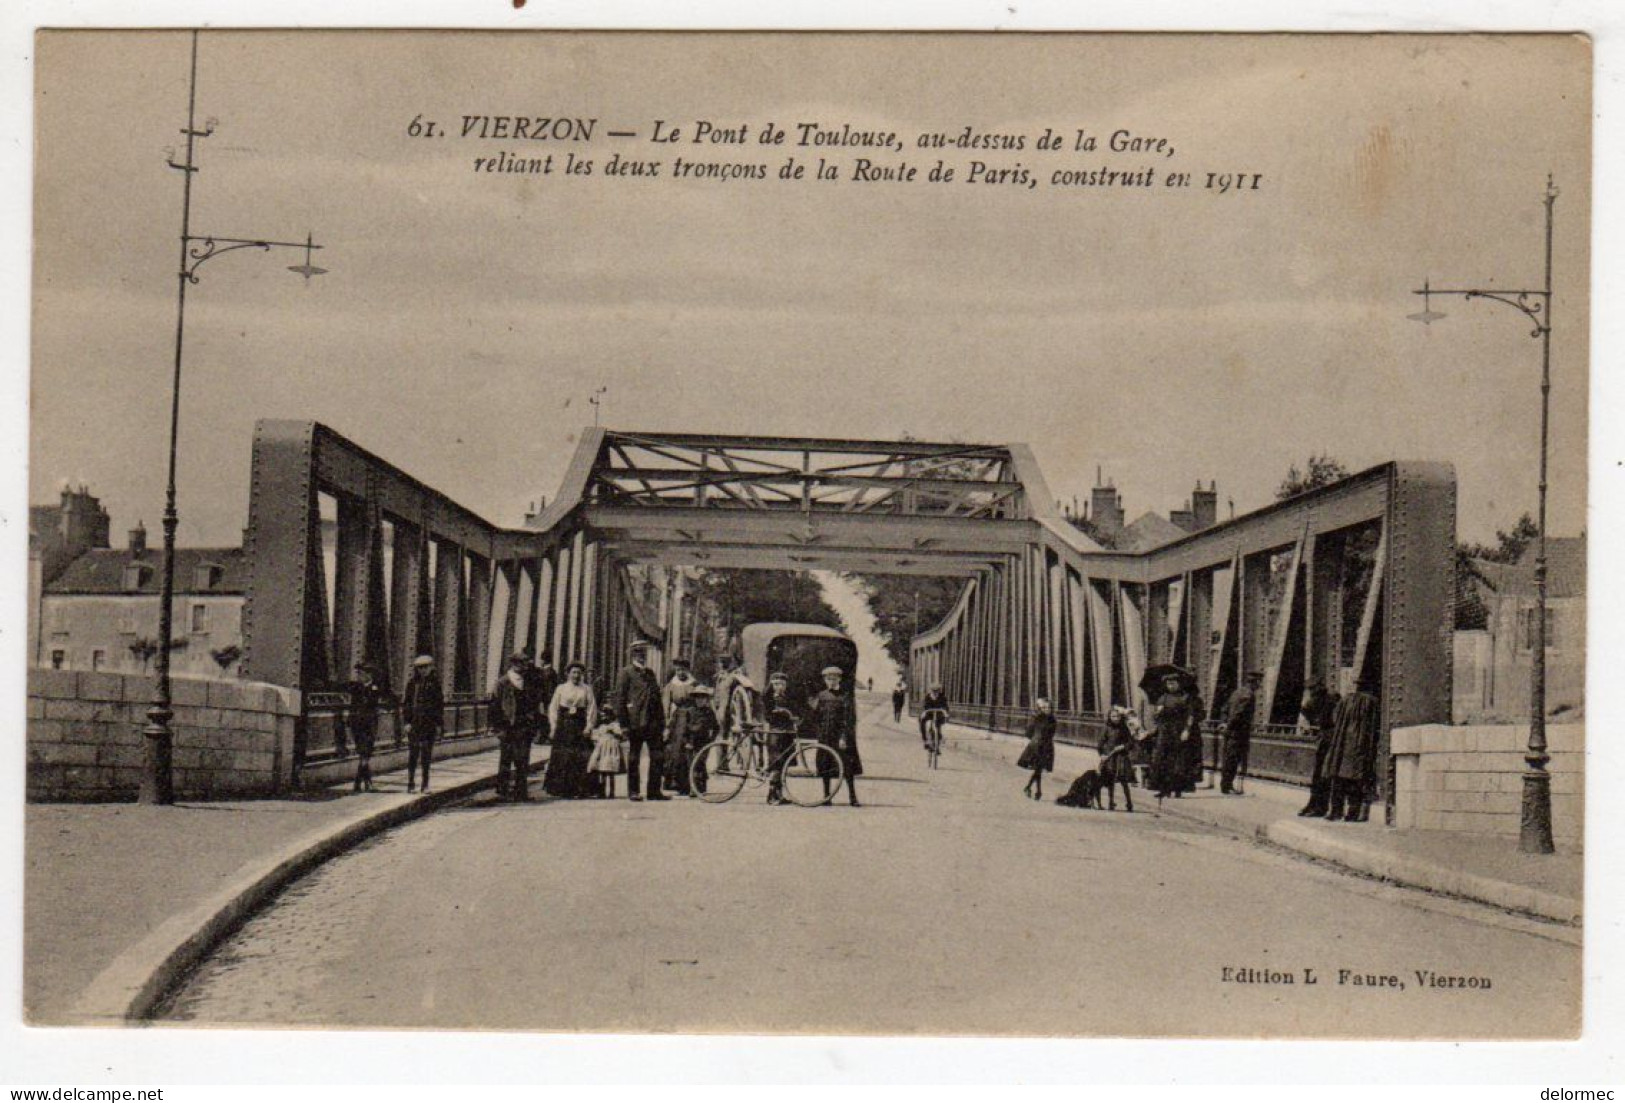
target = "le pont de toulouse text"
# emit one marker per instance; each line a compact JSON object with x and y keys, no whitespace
{"x":867,"y":168}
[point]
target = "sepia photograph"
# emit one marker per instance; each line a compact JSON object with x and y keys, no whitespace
{"x":1046,"y":535}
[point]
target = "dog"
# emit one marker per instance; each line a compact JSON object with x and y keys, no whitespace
{"x":1084,"y":792}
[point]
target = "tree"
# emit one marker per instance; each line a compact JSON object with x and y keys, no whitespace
{"x":1318,"y":471}
{"x":904,"y":604}
{"x":225,"y":656}
{"x":1471,"y":612}
{"x":737,"y":597}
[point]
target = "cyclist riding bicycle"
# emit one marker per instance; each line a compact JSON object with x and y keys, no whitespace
{"x":935,"y":704}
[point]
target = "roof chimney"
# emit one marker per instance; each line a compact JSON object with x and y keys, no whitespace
{"x":138,"y":540}
{"x":1205,"y":506}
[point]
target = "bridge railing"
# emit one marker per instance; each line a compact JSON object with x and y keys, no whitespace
{"x":325,"y":726}
{"x":1277,"y":752}
{"x":1081,"y":729}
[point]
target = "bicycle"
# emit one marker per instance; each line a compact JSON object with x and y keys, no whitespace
{"x":934,"y":719}
{"x":811,"y":773}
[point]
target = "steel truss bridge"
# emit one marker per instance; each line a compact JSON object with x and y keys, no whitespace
{"x":351,"y":558}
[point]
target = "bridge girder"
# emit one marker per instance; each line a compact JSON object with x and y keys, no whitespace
{"x":1354,"y":580}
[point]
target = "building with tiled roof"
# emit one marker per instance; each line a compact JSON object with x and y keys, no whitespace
{"x":1149,"y":530}
{"x":57,"y":535}
{"x":1494,"y":664}
{"x":100,"y":612}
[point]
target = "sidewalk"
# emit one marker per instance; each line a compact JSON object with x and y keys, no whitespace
{"x":120,"y":899}
{"x":1487,"y":869}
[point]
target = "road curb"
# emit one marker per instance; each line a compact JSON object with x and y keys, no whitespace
{"x":131,"y":989}
{"x":1415,"y":873}
{"x":1412,"y":873}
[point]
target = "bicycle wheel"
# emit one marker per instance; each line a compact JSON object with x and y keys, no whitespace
{"x":936,"y":746}
{"x":719,"y":770}
{"x":812,"y":774}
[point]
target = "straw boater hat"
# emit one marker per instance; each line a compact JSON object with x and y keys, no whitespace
{"x":423,"y":660}
{"x":828,"y":670}
{"x":701,"y":691}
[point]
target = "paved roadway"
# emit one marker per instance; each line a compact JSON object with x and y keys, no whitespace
{"x":948,"y":904}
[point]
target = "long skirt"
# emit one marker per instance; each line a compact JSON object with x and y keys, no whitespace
{"x":1116,"y":767}
{"x":567,"y":765}
{"x":1190,"y":764}
{"x":1166,"y":764}
{"x":1038,"y":754}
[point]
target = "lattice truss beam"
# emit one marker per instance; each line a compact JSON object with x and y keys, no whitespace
{"x":910,"y":478}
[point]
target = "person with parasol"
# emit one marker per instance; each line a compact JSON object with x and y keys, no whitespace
{"x":1176,"y":714}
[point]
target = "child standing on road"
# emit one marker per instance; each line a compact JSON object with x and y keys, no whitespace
{"x":1039,"y":754}
{"x":608,"y":757}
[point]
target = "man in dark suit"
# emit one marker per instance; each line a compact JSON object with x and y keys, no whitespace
{"x":421,"y":706}
{"x":635,"y":699}
{"x":1238,"y":732}
{"x":516,"y":714}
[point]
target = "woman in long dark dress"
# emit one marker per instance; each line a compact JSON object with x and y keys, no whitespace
{"x":1168,"y":755}
{"x":572,"y":714}
{"x":1191,"y":749}
{"x":1039,"y":754}
{"x":835,"y":724}
{"x":1350,"y":768}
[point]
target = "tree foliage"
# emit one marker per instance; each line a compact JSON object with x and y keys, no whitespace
{"x":1509,"y":546}
{"x":1318,"y":471}
{"x":736,"y":597}
{"x":904,"y":604}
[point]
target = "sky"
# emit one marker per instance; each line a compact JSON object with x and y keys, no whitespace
{"x":1160,"y":335}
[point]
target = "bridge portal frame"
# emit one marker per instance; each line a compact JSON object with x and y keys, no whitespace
{"x":351,"y":558}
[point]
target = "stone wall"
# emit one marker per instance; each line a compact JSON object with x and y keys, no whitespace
{"x":85,"y":742}
{"x":1471,"y":778}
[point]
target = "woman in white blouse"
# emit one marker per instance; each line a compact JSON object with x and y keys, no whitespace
{"x":572,"y":714}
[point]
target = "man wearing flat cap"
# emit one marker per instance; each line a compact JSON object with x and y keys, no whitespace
{"x":635,"y":699}
{"x":1238,"y":732}
{"x":421,"y":707}
{"x":516,"y":714}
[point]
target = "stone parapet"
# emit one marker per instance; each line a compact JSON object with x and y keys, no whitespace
{"x":231,"y":738}
{"x":1470,"y":779}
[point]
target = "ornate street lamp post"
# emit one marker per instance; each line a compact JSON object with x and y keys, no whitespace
{"x":1535,"y":833}
{"x":157,"y":782}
